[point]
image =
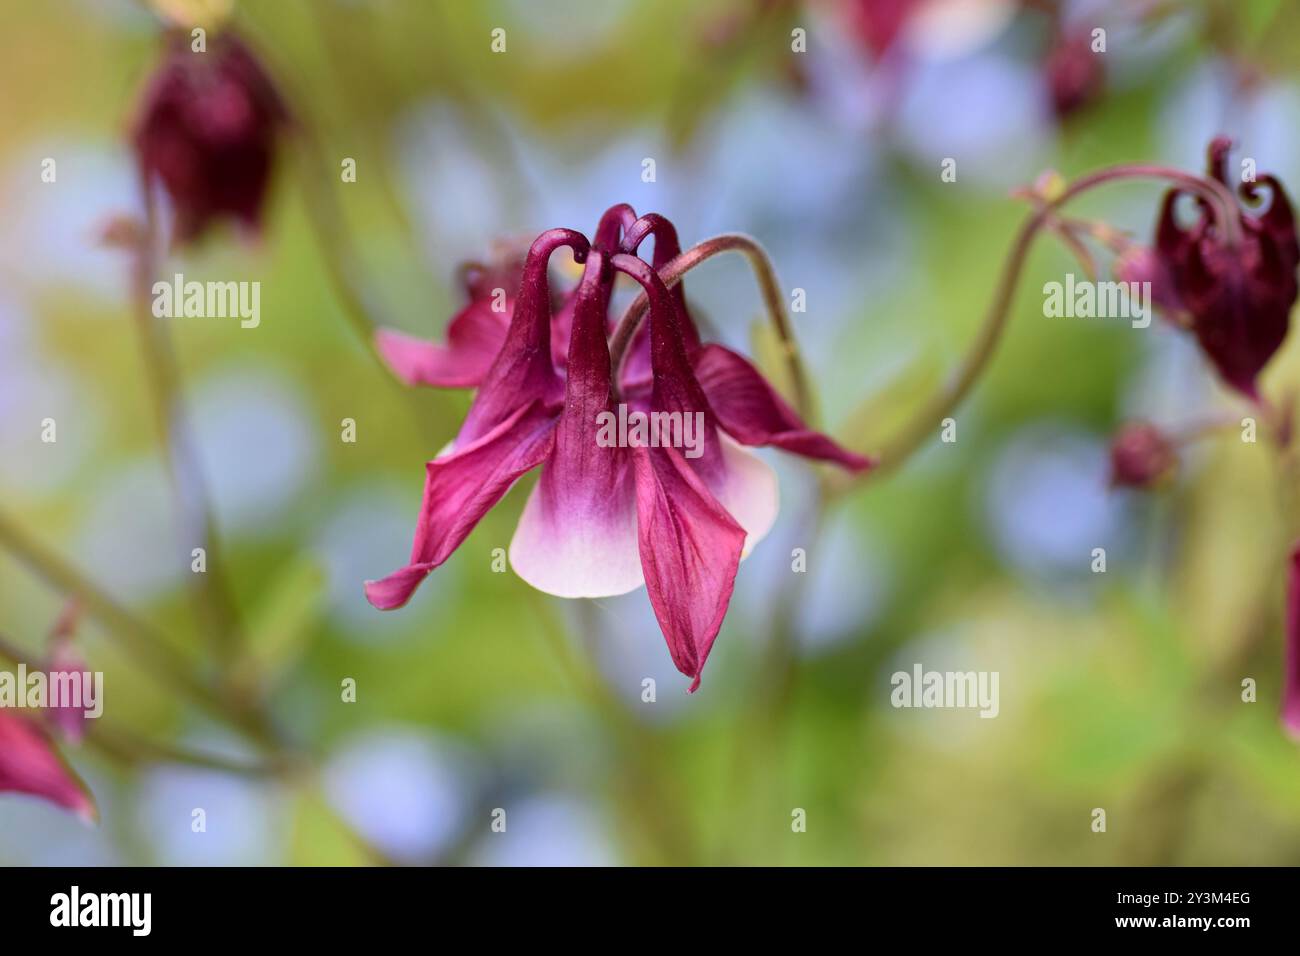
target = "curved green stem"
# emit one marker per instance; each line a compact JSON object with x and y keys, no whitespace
{"x":328,"y":228}
{"x":127,"y":748}
{"x":137,"y":637}
{"x":981,"y":350}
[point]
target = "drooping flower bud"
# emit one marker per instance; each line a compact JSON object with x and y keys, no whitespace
{"x":1075,"y":74}
{"x":1141,"y":456}
{"x":1237,"y":297}
{"x":206,"y":129}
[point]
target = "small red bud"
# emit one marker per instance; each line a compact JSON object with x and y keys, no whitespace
{"x":1141,"y":456}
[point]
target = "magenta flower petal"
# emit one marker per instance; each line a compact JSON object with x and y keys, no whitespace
{"x":752,"y":412}
{"x":745,"y":485}
{"x":576,"y":545}
{"x":460,"y":488}
{"x":690,"y":543}
{"x":474,"y":338}
{"x":1291,"y":679}
{"x":577,"y":535}
{"x":29,"y":764}
{"x":690,"y":551}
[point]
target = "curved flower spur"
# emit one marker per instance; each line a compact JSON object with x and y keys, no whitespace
{"x":606,"y":516}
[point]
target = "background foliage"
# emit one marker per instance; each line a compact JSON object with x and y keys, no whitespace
{"x":1118,"y":690}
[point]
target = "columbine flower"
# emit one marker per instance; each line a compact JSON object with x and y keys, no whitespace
{"x":1236,"y":299}
{"x":603,"y":520}
{"x":207,"y":129}
{"x":29,"y":764}
{"x":1141,"y":455}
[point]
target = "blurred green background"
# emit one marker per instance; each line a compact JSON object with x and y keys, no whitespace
{"x":1119,"y":690}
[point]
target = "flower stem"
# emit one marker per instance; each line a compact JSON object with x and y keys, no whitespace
{"x":757,"y":737}
{"x":325,"y":216}
{"x":641,"y":774}
{"x":127,"y":748}
{"x":214,"y":604}
{"x":978,"y":354}
{"x":136,"y":636}
{"x":773,"y":300}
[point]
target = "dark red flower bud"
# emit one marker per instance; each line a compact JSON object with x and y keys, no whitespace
{"x":206,"y":129}
{"x":1237,"y":298}
{"x":1075,"y":74}
{"x":1141,"y":455}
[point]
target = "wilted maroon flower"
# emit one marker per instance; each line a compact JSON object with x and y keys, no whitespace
{"x":1237,"y":299}
{"x":30,"y":765}
{"x":1291,"y":661}
{"x":1141,"y":455}
{"x":1075,"y":75}
{"x":606,"y":517}
{"x":206,"y":129}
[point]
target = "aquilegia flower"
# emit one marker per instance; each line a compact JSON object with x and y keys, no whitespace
{"x":606,"y":516}
{"x":1236,"y":299}
{"x":206,"y":130}
{"x":29,"y":764}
